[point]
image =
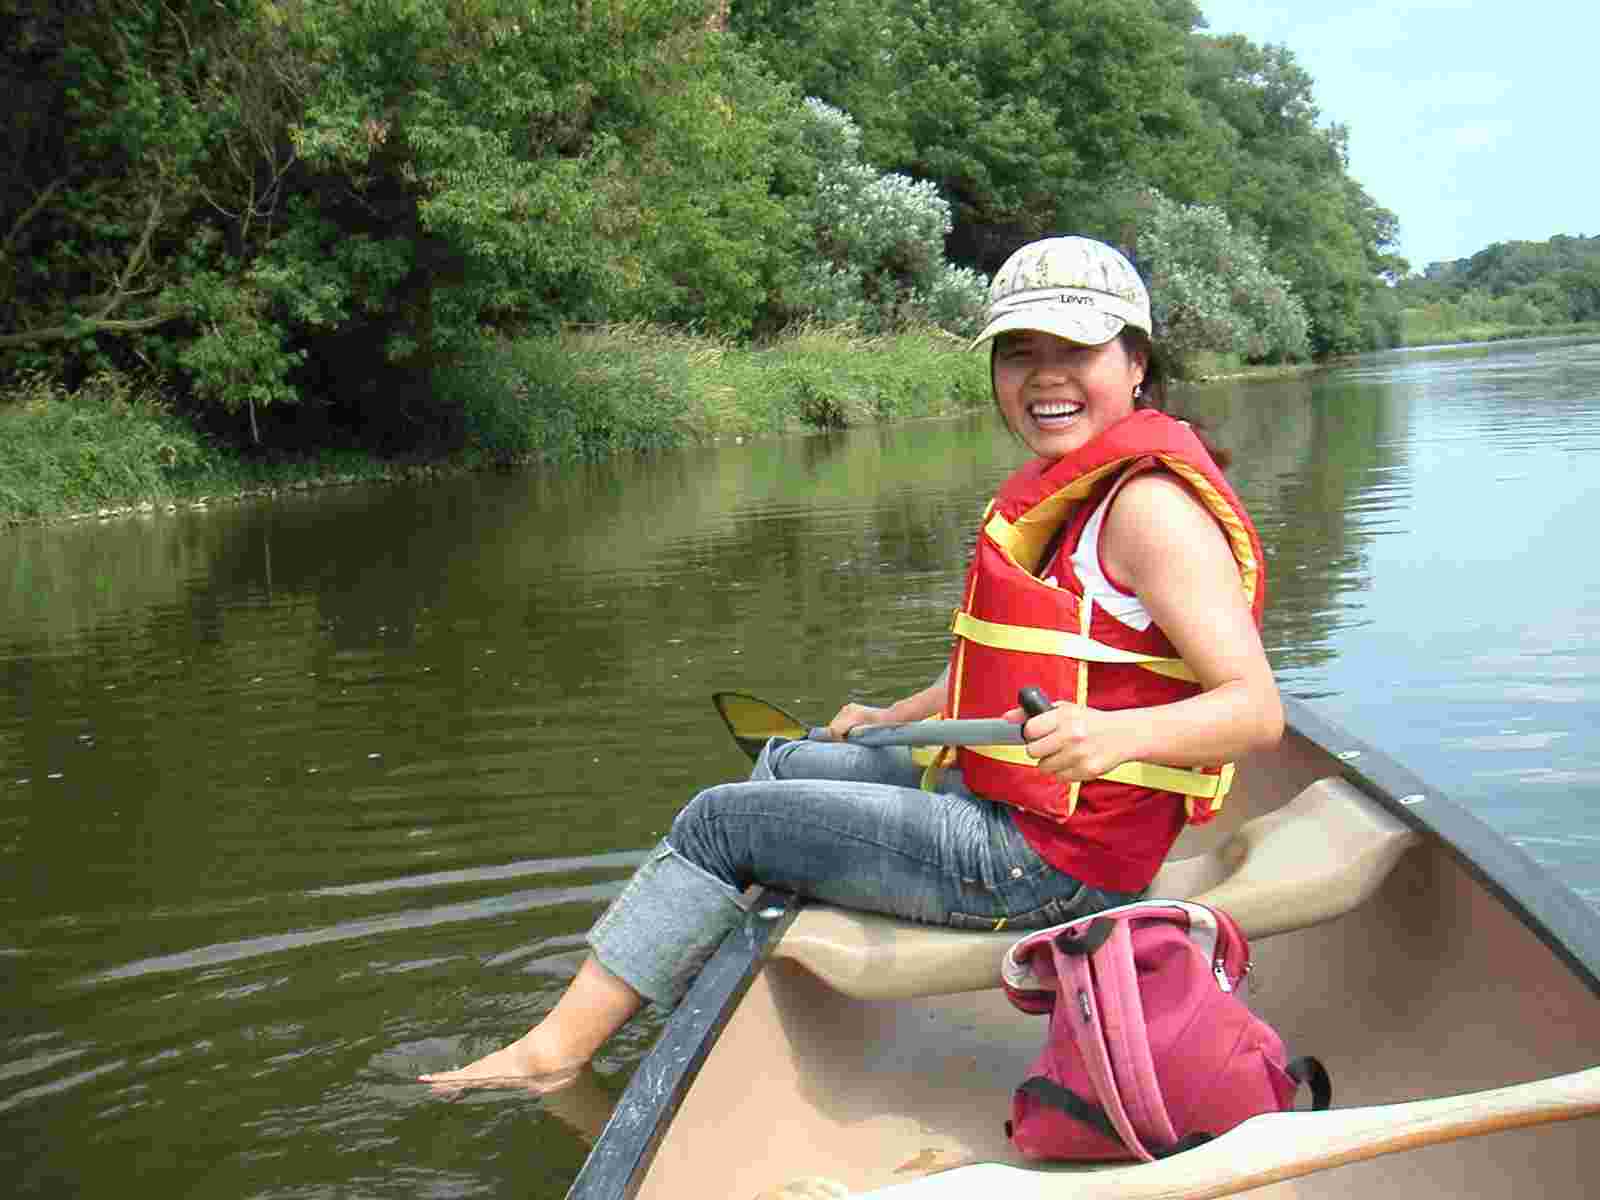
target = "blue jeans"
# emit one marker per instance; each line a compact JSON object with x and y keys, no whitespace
{"x":844,"y":824}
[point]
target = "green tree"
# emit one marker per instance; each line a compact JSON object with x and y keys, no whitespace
{"x":1581,"y":287}
{"x":1289,"y":183}
{"x":533,"y":167}
{"x":104,"y":144}
{"x":1023,"y":115}
{"x":1550,"y":283}
{"x":1056,"y":116}
{"x":281,"y":199}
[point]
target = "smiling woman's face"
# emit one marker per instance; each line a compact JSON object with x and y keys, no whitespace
{"x":1057,"y":395}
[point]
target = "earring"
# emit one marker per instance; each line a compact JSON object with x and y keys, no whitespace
{"x":1138,"y":392}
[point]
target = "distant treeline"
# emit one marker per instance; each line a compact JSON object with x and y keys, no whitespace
{"x":298,"y":216}
{"x":1516,"y":285}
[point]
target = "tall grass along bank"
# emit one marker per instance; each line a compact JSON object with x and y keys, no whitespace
{"x":114,"y":446}
{"x":110,"y":443}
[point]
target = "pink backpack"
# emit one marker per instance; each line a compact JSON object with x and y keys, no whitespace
{"x":1151,"y":1048}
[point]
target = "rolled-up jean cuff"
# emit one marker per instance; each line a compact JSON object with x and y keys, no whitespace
{"x":659,"y":932}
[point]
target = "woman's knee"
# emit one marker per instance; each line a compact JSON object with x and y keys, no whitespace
{"x":838,"y":762}
{"x":768,"y":765}
{"x":691,"y":832}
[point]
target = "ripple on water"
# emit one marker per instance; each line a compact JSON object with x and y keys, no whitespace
{"x":489,"y":907}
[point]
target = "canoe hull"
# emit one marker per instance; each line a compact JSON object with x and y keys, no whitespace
{"x":1466,"y":969}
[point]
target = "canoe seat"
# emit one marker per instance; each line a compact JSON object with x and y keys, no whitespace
{"x":1313,"y":859}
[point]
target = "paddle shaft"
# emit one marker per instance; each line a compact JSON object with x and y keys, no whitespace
{"x":1278,"y":1146}
{"x":752,"y":721}
{"x":991,"y":732}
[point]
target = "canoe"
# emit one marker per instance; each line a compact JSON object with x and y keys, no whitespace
{"x":1450,"y":985}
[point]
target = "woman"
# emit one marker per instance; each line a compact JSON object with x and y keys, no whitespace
{"x":1117,"y":571}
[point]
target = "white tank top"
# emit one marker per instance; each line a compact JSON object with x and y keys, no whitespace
{"x":1124,"y":606}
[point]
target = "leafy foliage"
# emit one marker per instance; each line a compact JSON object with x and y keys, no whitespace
{"x":307,"y":198}
{"x":879,"y":239}
{"x":1507,"y":286}
{"x":1211,"y":289}
{"x":1284,"y":178}
{"x":1021,"y":114}
{"x":1058,"y":116}
{"x":315,"y":219}
{"x":109,"y":441}
{"x":1558,"y":279}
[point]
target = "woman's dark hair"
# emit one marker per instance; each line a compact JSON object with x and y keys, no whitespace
{"x":1153,"y":392}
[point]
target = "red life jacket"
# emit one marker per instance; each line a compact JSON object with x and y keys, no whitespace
{"x":1015,"y":630}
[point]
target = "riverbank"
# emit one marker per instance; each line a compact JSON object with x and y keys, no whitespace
{"x":1418,"y":337}
{"x":115,"y":447}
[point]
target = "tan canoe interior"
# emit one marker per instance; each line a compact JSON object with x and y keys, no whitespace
{"x":869,"y":1052}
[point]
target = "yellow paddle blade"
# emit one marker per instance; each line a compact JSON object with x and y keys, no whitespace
{"x":752,"y":721}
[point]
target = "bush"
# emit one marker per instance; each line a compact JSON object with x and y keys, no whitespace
{"x":1210,"y":288}
{"x":833,"y":377}
{"x":110,"y":442}
{"x":955,"y":300}
{"x":880,"y":238}
{"x":593,"y":391}
{"x":584,"y":394}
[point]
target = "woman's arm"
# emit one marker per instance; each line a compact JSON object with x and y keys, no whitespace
{"x":1162,"y":543}
{"x":929,"y":702}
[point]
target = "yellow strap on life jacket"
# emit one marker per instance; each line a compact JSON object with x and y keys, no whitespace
{"x":1023,"y":541}
{"x":1213,"y":804}
{"x":1197,"y":784}
{"x":1238,"y":538}
{"x":1033,"y":639}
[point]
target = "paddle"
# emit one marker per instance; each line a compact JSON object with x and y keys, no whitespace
{"x":752,"y":721}
{"x":1277,"y":1146}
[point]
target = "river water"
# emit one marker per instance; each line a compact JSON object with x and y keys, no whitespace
{"x":303,"y":796}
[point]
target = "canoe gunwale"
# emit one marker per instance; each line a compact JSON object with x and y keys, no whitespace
{"x":1555,"y":914}
{"x":622,"y":1154}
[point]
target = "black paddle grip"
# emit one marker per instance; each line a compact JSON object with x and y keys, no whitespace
{"x":1033,"y":701}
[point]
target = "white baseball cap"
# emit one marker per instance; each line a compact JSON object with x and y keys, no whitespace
{"x":1074,"y":287}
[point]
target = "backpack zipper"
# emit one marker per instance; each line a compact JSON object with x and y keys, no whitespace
{"x":1221,"y":973}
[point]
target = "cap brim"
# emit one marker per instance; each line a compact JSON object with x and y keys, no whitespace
{"x":1084,"y":326}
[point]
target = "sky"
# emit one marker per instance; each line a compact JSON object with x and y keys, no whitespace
{"x":1472,"y":122}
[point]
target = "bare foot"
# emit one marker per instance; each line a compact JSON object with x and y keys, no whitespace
{"x":519,"y":1065}
{"x":552,"y":1053}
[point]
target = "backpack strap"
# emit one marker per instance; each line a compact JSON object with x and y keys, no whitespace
{"x":1059,"y":1096}
{"x":1047,"y":1091}
{"x":1310,"y":1072}
{"x":1080,"y":1010}
{"x":1127,"y":1036}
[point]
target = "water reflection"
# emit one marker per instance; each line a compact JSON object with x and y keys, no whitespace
{"x":1319,"y":462}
